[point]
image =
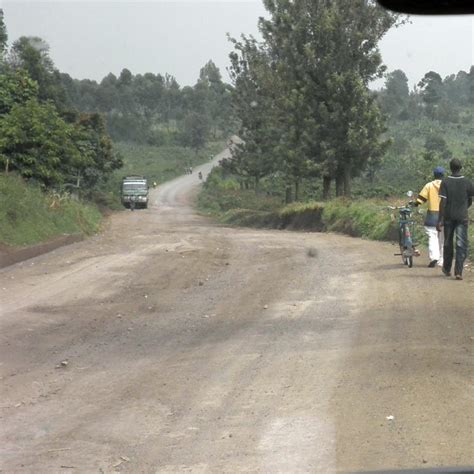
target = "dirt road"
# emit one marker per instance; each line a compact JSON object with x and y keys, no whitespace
{"x":171,"y":344}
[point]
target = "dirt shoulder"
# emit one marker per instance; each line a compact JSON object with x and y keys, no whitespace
{"x":10,"y":255}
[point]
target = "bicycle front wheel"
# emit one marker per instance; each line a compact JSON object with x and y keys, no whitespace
{"x":402,"y":245}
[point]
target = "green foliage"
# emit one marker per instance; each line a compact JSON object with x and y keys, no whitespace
{"x":302,"y":93}
{"x":436,"y":99}
{"x":359,"y":219}
{"x":221,"y":195}
{"x":29,"y":216}
{"x":436,"y":149}
{"x":153,"y":109}
{"x":32,"y":55}
{"x":3,"y":35}
{"x":41,"y":137}
{"x":16,"y":87}
{"x":418,"y":146}
{"x":431,"y":87}
{"x":97,"y":160}
{"x":366,"y":218}
{"x":195,"y":131}
{"x":36,"y":142}
{"x":159,"y":163}
{"x":395,"y":96}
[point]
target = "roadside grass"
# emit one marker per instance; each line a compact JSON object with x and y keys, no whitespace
{"x":28,"y":216}
{"x":365,"y":218}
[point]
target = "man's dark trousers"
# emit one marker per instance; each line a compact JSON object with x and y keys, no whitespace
{"x":452,"y":228}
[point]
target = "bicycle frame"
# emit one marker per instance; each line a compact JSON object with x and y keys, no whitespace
{"x":407,"y":228}
{"x":406,"y":235}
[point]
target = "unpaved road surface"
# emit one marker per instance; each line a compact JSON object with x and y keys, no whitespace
{"x":193,"y":347}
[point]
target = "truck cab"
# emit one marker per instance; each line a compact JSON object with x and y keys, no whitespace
{"x":135,"y":188}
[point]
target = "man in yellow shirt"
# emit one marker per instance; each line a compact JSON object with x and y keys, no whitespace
{"x":430,"y":195}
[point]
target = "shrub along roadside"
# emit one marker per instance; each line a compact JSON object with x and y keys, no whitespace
{"x":368,"y":219}
{"x":28,"y":216}
{"x":363,"y":219}
{"x":224,"y":199}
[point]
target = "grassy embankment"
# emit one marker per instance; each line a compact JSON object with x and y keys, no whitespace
{"x":366,"y":218}
{"x":29,"y":216}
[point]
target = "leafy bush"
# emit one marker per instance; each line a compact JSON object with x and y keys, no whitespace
{"x":361,"y":218}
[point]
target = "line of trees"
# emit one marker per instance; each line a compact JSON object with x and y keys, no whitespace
{"x":429,"y":124}
{"x":302,"y":94}
{"x":42,"y":137}
{"x":433,"y":97}
{"x":154,"y":109}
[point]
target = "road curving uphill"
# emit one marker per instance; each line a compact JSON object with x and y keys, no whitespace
{"x":170,"y":344}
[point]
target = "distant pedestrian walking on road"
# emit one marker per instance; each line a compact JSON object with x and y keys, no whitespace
{"x":456,"y":193}
{"x":430,"y":195}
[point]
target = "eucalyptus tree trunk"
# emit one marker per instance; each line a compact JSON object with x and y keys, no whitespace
{"x":347,"y":180}
{"x":326,"y":188}
{"x":288,"y":195}
{"x":339,"y":185}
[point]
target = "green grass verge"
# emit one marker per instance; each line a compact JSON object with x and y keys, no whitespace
{"x":364,"y":219}
{"x":28,"y":216}
{"x":367,"y":218}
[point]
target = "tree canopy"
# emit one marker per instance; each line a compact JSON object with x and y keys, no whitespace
{"x":43,"y":137}
{"x":154,"y":108}
{"x":309,"y":78}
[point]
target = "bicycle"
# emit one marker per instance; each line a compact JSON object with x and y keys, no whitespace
{"x":406,"y":232}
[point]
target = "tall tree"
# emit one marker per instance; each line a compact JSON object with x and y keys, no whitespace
{"x":195,"y":131}
{"x":431,"y":89}
{"x":97,"y":157}
{"x":395,"y":95}
{"x":3,"y":36}
{"x":324,"y":55}
{"x":36,"y":142}
{"x":16,"y":87}
{"x":254,"y":100}
{"x":32,"y":54}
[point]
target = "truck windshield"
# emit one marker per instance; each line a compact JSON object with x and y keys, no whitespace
{"x":134,"y":187}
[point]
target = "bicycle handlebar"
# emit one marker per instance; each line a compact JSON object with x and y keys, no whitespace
{"x":409,"y":205}
{"x":393,"y":208}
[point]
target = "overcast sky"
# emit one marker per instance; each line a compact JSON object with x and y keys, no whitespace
{"x":89,"y":39}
